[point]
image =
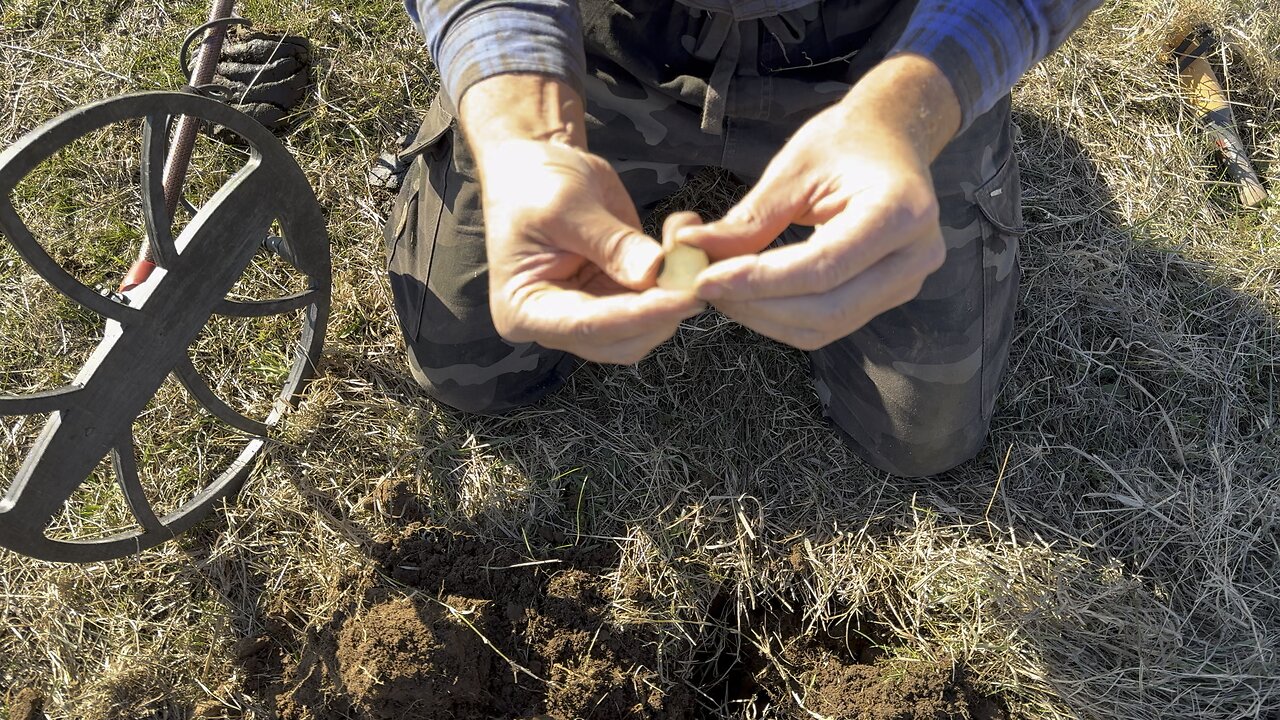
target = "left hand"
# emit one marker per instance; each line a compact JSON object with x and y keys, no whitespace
{"x":859,"y":173}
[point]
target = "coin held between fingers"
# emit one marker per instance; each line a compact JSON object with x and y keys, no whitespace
{"x":681,"y":263}
{"x":680,"y":267}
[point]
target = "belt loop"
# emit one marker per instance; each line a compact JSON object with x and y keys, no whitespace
{"x":711,"y":39}
{"x":713,"y":108}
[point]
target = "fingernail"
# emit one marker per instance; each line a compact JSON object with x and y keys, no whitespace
{"x":682,"y":234}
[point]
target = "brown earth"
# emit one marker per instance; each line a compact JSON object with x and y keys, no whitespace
{"x":403,"y":658}
{"x":840,"y":670}
{"x":456,"y":627}
{"x":483,"y":636}
{"x":891,"y":691}
{"x":26,"y":704}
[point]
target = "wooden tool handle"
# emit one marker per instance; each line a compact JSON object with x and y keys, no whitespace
{"x":1202,"y":89}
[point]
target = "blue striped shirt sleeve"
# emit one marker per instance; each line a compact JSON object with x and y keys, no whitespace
{"x":985,"y":46}
{"x":470,"y":40}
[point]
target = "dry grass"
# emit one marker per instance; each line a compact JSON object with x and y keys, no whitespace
{"x":1113,"y":553}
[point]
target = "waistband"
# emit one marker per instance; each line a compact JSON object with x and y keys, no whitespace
{"x":730,"y":36}
{"x":748,"y":9}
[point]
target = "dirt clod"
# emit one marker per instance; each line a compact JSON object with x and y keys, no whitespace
{"x":483,"y":633}
{"x":27,"y":704}
{"x":897,"y":691}
{"x":842,"y":669}
{"x":403,"y":658}
{"x":834,"y":684}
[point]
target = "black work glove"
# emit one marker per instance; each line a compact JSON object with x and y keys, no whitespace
{"x":265,"y":75}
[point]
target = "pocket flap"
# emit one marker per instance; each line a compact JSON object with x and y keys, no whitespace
{"x":433,"y":127}
{"x":1001,"y":198}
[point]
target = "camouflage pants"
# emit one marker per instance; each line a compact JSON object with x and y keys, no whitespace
{"x":912,"y":391}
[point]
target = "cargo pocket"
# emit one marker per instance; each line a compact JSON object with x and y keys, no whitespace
{"x":1000,"y":201}
{"x":418,"y":206}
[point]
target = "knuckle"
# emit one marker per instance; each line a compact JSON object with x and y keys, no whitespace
{"x":581,"y":335}
{"x":809,"y":339}
{"x":914,"y":205}
{"x":584,"y":331}
{"x":830,"y":315}
{"x":934,"y":255}
{"x":918,"y":196}
{"x":916,"y":288}
{"x":746,"y":216}
{"x":928,"y":209}
{"x":510,"y":329}
{"x":906,"y":295}
{"x":611,"y":243}
{"x":825,"y":272}
{"x":907,"y":291}
{"x":596,"y":164}
{"x":509,"y":309}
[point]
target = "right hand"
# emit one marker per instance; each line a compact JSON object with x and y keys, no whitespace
{"x":569,"y":267}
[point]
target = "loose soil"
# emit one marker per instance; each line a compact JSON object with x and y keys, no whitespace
{"x":482,"y":635}
{"x":841,"y":670}
{"x":26,"y":704}
{"x":828,"y":685}
{"x":456,"y":627}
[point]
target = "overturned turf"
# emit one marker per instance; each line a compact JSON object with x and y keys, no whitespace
{"x":458,"y":627}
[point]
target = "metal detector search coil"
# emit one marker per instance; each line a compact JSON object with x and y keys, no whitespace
{"x":149,"y":337}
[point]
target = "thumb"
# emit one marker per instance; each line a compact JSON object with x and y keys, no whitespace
{"x":750,"y":225}
{"x":625,"y":254}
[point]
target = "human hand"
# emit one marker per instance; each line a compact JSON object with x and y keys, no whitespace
{"x":569,"y":267}
{"x":859,"y":173}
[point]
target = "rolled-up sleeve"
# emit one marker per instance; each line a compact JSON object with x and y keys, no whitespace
{"x":470,"y":40}
{"x":985,"y":46}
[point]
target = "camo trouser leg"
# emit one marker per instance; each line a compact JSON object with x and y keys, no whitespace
{"x":915,"y":388}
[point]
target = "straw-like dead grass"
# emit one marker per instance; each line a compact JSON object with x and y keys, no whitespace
{"x":1113,"y":553}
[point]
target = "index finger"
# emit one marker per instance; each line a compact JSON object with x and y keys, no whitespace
{"x":565,"y":318}
{"x":848,"y":244}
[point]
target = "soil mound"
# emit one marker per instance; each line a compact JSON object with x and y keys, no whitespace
{"x":841,"y":670}
{"x":402,"y":659}
{"x":27,"y":704}
{"x":458,"y":627}
{"x":487,"y":634}
{"x":893,"y":691}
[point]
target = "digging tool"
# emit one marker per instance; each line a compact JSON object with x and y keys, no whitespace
{"x":177,"y":286}
{"x":1202,"y":89}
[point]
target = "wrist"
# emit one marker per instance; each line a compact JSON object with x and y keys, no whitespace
{"x":906,"y":98}
{"x":521,"y":107}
